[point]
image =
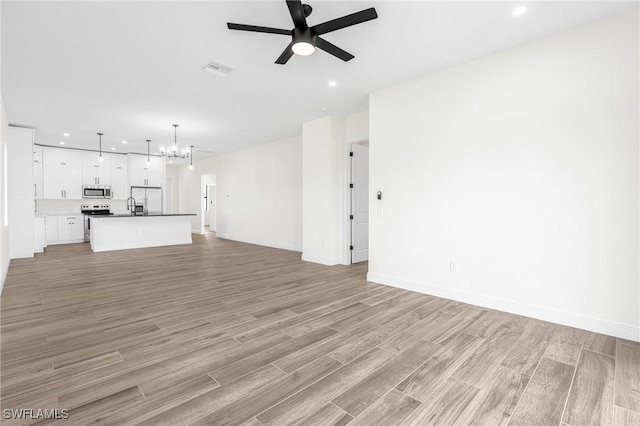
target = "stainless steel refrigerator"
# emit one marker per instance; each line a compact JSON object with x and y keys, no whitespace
{"x":149,"y":197}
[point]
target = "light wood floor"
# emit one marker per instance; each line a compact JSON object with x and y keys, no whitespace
{"x":222,"y":332}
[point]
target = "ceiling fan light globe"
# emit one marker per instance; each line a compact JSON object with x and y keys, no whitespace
{"x":303,"y":48}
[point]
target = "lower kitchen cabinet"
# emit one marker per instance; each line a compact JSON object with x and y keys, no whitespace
{"x":64,"y":229}
{"x":39,"y":235}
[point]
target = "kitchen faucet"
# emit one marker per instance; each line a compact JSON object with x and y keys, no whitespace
{"x":131,"y":206}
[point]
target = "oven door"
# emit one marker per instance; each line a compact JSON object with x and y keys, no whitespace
{"x":87,"y":228}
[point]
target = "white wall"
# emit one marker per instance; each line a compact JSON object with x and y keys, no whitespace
{"x":172,"y":176}
{"x":358,"y":127}
{"x":323,"y":162}
{"x":259,"y":194}
{"x":4,"y":228}
{"x":523,"y":167}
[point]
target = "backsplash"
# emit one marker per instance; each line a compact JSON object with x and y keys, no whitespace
{"x":53,"y":206}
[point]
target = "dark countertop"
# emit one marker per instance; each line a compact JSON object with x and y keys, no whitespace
{"x":149,"y":215}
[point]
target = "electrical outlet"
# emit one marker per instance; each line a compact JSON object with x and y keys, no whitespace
{"x":453,"y":265}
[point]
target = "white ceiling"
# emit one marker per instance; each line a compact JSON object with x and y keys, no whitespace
{"x":132,"y":69}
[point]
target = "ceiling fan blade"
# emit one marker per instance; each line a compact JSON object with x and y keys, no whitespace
{"x":346,"y":21}
{"x":297,"y":14}
{"x":286,"y":55}
{"x":257,"y":29}
{"x":333,"y":49}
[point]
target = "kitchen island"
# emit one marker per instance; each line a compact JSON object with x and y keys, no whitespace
{"x":121,"y":232}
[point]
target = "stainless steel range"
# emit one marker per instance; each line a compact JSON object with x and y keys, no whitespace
{"x":92,"y":210}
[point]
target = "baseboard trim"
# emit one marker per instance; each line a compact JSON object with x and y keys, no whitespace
{"x":596,"y":325}
{"x":320,"y":260}
{"x":4,"y":272}
{"x":259,"y":242}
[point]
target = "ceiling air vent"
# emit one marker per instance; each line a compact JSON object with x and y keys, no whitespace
{"x":218,"y":68}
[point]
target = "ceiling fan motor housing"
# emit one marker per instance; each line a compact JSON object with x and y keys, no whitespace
{"x":307,"y":34}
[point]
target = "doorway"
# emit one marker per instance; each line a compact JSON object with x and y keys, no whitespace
{"x":208,"y":203}
{"x":359,"y":215}
{"x":210,"y":208}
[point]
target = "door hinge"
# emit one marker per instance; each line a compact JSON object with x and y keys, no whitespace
{"x":350,"y":247}
{"x":351,"y":216}
{"x":350,"y":185}
{"x":351,"y":154}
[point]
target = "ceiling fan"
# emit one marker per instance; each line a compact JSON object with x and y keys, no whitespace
{"x":305,"y":39}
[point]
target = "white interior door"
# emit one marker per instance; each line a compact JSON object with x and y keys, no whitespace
{"x":360,"y":203}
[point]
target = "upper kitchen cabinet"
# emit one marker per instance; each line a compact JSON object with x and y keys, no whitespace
{"x":119,"y":188}
{"x":37,"y":172}
{"x":94,"y":171}
{"x":92,"y":159}
{"x":143,"y":174}
{"x":67,"y":157}
{"x":62,"y":174}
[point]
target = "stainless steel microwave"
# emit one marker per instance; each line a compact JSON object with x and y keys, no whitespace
{"x":96,"y":191}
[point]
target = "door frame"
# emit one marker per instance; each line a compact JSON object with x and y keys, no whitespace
{"x":345,"y":253}
{"x":205,"y":179}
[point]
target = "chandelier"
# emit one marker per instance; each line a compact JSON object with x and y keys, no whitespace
{"x":173,"y":152}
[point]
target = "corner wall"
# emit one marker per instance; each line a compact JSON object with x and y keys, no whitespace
{"x":4,"y":228}
{"x":522,"y":167}
{"x":323,"y":187}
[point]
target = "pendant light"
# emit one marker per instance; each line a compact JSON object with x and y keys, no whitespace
{"x":148,"y":158}
{"x":191,"y":157}
{"x":100,"y":159}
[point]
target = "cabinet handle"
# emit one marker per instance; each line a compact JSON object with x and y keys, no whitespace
{"x":35,"y":190}
{"x":61,"y":193}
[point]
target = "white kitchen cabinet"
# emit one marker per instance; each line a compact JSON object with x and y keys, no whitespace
{"x":140,"y":162}
{"x":69,"y":157}
{"x":64,"y":229}
{"x":39,"y":235}
{"x":62,"y":181}
{"x":20,"y":191}
{"x":143,"y":174}
{"x":119,"y":187}
{"x":145,"y":178}
{"x":37,"y":154}
{"x":37,"y":173}
{"x":62,"y":173}
{"x":51,"y":229}
{"x":96,"y":175}
{"x":70,"y":228}
{"x":92,"y":159}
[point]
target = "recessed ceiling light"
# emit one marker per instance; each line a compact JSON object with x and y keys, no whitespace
{"x":124,"y":141}
{"x":155,"y":153}
{"x":324,"y":109}
{"x":332,"y":83}
{"x":520,"y":10}
{"x":66,"y":135}
{"x":113,"y":148}
{"x":61,"y":142}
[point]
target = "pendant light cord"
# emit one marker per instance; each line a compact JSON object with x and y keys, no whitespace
{"x":100,"y":136}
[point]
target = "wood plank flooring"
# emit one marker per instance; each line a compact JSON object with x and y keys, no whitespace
{"x":226,"y":333}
